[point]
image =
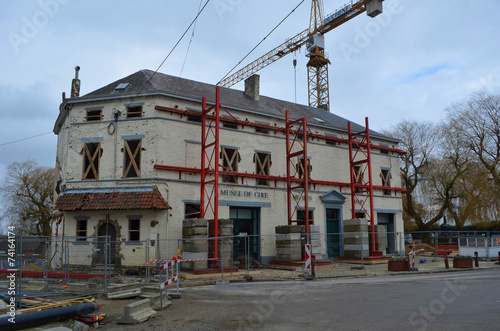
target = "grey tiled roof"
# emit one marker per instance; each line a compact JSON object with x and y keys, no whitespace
{"x":146,"y":82}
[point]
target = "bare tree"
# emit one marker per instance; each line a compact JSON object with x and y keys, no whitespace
{"x":420,"y":141}
{"x":477,"y":124}
{"x":27,"y":192}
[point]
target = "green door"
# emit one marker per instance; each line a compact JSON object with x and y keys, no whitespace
{"x":246,"y":231}
{"x":333,"y":232}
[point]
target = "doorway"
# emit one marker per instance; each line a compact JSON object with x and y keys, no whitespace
{"x":386,"y":220}
{"x":106,"y":229}
{"x":333,"y":232}
{"x":246,"y":223}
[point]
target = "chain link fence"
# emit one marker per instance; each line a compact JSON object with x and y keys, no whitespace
{"x":45,"y":266}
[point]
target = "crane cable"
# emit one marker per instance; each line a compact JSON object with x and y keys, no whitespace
{"x":260,"y":42}
{"x":190,"y":41}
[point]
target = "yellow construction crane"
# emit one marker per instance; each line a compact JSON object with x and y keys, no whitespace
{"x":313,"y":39}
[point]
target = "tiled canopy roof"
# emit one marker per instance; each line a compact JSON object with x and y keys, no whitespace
{"x":111,"y":199}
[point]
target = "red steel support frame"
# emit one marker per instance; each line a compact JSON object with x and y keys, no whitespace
{"x":302,"y":184}
{"x":210,"y":149}
{"x":361,"y":190}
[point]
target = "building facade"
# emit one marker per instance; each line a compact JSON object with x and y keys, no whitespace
{"x":129,"y":160}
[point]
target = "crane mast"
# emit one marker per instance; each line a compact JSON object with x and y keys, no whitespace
{"x":313,"y":38}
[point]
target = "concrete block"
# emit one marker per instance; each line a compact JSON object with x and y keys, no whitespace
{"x":78,"y":288}
{"x":225,"y":223}
{"x":288,"y":236}
{"x":286,"y":251}
{"x":194,"y":222}
{"x":315,"y":250}
{"x":121,"y":291}
{"x":136,"y":312}
{"x":195,"y":246}
{"x":314,"y":229}
{"x":194,"y":231}
{"x":37,"y":285}
{"x":315,"y":242}
{"x":283,"y":229}
{"x":194,"y":255}
{"x":155,"y":299}
{"x":315,"y":236}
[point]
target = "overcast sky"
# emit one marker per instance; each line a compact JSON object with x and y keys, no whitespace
{"x":413,"y":61}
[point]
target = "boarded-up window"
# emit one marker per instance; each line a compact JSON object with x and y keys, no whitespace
{"x":91,"y":155}
{"x":81,"y":230}
{"x":132,"y":159}
{"x":134,"y":229}
{"x":230,"y":159}
{"x":358,"y":177}
{"x":385,"y":174}
{"x":134,"y":112}
{"x":192,"y":210}
{"x":93,"y":115}
{"x":301,"y":166}
{"x":262,"y":166}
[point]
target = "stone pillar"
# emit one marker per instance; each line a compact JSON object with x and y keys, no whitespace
{"x":355,"y":232}
{"x":195,"y":243}
{"x":226,"y":243}
{"x":315,"y":241}
{"x":288,"y":244}
{"x":380,"y":238}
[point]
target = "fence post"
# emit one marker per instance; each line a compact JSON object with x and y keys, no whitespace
{"x":106,"y":271}
{"x":222,"y":256}
{"x":436,"y":244}
{"x":147,"y":259}
{"x":362,"y":251}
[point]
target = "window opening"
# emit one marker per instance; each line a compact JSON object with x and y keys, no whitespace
{"x":192,"y":210}
{"x":132,"y":159}
{"x":261,"y":130}
{"x":134,"y":112}
{"x":301,"y":216}
{"x":94,"y":115}
{"x":358,"y":177}
{"x":230,"y":125}
{"x":262,"y":165}
{"x":385,"y":174}
{"x":230,"y":159}
{"x":91,"y":154}
{"x":81,"y":230}
{"x":134,"y":229}
{"x":194,"y":118}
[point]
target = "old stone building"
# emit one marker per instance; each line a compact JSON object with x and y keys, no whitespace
{"x":128,"y":160}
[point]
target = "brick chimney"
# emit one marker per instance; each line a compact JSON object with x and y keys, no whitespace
{"x":75,"y":84}
{"x":252,"y":87}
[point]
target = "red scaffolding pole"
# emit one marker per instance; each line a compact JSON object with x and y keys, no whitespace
{"x":361,"y":188}
{"x":297,"y":175}
{"x":210,"y":149}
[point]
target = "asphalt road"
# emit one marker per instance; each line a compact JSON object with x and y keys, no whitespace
{"x":467,"y":300}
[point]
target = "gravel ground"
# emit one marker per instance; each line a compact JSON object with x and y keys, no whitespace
{"x":192,"y":313}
